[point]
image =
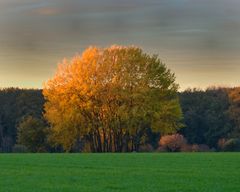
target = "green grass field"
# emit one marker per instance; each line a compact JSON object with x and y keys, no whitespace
{"x":120,"y":172}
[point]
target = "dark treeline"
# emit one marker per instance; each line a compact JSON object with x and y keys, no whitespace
{"x":15,"y":105}
{"x":209,"y":116}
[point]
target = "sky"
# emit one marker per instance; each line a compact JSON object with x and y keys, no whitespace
{"x":199,"y":40}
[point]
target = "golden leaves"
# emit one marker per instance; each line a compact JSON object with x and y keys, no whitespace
{"x":111,"y":90}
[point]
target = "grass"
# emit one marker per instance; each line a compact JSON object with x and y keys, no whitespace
{"x":120,"y":172}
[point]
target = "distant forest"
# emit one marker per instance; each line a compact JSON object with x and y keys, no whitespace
{"x":210,"y":117}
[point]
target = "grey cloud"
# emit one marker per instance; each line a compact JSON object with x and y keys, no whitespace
{"x":185,"y":33}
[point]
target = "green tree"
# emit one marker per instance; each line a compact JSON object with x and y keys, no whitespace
{"x":110,"y":97}
{"x":32,"y":133}
{"x":15,"y":104}
{"x":206,"y":115}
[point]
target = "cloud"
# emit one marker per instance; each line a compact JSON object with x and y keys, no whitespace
{"x":47,"y":11}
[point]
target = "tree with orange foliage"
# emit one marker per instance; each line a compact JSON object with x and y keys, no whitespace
{"x":234,"y":110}
{"x":109,"y":96}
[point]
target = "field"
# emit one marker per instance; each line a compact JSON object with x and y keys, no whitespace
{"x":120,"y":172}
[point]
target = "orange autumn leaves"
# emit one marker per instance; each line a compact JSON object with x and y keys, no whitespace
{"x":109,"y":97}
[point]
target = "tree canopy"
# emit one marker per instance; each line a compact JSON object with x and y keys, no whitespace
{"x":32,"y":134}
{"x":109,"y":97}
{"x":206,"y":115}
{"x":15,"y":104}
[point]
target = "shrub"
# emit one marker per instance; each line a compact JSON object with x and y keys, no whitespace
{"x":86,"y":147}
{"x":32,"y":132}
{"x":42,"y":149}
{"x":221,"y":143}
{"x":232,"y":145}
{"x":146,"y":148}
{"x":19,"y":149}
{"x":213,"y":149}
{"x":200,"y":148}
{"x":161,"y":149}
{"x":195,"y":148}
{"x":186,"y":148}
{"x":173,"y":143}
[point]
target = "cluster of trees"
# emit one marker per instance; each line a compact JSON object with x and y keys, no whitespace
{"x":117,"y":99}
{"x":211,"y":117}
{"x":109,"y":97}
{"x":15,"y":105}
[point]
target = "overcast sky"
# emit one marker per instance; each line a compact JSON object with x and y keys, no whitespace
{"x":199,"y":40}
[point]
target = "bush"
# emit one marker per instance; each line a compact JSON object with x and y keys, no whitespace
{"x":19,"y":149}
{"x":221,"y":143}
{"x":186,"y":148}
{"x":232,"y":145}
{"x":200,"y":148}
{"x":32,"y":133}
{"x":161,"y":149}
{"x":213,"y":149}
{"x":195,"y":148}
{"x":86,"y":147}
{"x":146,"y":148}
{"x":173,"y":143}
{"x":42,"y":150}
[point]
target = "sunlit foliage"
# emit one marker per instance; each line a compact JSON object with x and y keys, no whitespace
{"x":109,"y":97}
{"x":234,"y":110}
